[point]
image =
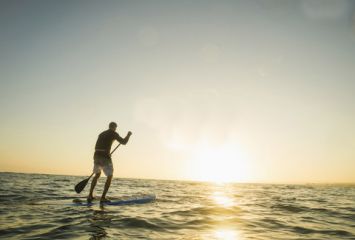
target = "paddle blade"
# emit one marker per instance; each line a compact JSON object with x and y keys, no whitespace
{"x":80,"y":186}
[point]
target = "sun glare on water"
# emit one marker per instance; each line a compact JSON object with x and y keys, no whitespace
{"x":221,"y":199}
{"x":226,"y":234}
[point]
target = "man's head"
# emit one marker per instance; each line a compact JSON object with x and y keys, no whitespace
{"x":112,"y":126}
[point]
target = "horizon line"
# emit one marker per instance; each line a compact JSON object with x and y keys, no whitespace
{"x":199,"y":181}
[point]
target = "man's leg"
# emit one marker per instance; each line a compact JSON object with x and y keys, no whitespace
{"x":108,"y":170}
{"x":107,"y":185}
{"x":93,"y":184}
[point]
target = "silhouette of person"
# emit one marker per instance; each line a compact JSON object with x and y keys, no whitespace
{"x":102,"y":158}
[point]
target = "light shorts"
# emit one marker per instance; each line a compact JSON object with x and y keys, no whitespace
{"x":104,"y":164}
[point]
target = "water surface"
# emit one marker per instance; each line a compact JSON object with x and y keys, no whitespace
{"x":36,"y":206}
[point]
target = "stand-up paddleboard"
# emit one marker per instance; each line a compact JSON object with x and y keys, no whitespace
{"x":141,"y":199}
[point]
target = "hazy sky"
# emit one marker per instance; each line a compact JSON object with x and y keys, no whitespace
{"x":256,"y":91}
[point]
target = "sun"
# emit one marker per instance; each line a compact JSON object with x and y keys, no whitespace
{"x":222,"y":163}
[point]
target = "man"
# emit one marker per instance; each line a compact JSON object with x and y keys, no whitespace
{"x":102,"y":158}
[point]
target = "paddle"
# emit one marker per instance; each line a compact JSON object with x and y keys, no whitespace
{"x":80,"y":186}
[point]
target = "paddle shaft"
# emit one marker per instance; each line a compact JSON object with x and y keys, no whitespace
{"x":115,"y":148}
{"x":90,"y":176}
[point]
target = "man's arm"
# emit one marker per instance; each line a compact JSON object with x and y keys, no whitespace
{"x":123,"y":140}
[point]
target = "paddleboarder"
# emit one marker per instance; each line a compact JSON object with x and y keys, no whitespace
{"x":102,"y":158}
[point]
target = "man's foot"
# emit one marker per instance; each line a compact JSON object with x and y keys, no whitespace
{"x":104,"y":200}
{"x":89,"y":199}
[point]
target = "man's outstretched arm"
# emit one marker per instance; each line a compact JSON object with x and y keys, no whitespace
{"x":123,"y":140}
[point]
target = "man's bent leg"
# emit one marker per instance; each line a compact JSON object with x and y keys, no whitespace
{"x":107,"y":185}
{"x":93,"y":184}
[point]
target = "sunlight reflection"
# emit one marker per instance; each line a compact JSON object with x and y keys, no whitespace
{"x":222,"y":199}
{"x":226,"y":234}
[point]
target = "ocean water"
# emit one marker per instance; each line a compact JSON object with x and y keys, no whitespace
{"x":36,"y":206}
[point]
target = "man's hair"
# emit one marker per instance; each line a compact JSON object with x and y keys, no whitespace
{"x":112,"y":125}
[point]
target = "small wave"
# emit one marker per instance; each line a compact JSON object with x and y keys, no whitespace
{"x":23,"y":229}
{"x":61,"y":232}
{"x":304,"y":230}
{"x":12,"y":198}
{"x":136,"y":222}
{"x":289,"y":208}
{"x":207,"y":211}
{"x":300,"y":209}
{"x":350,"y":209}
